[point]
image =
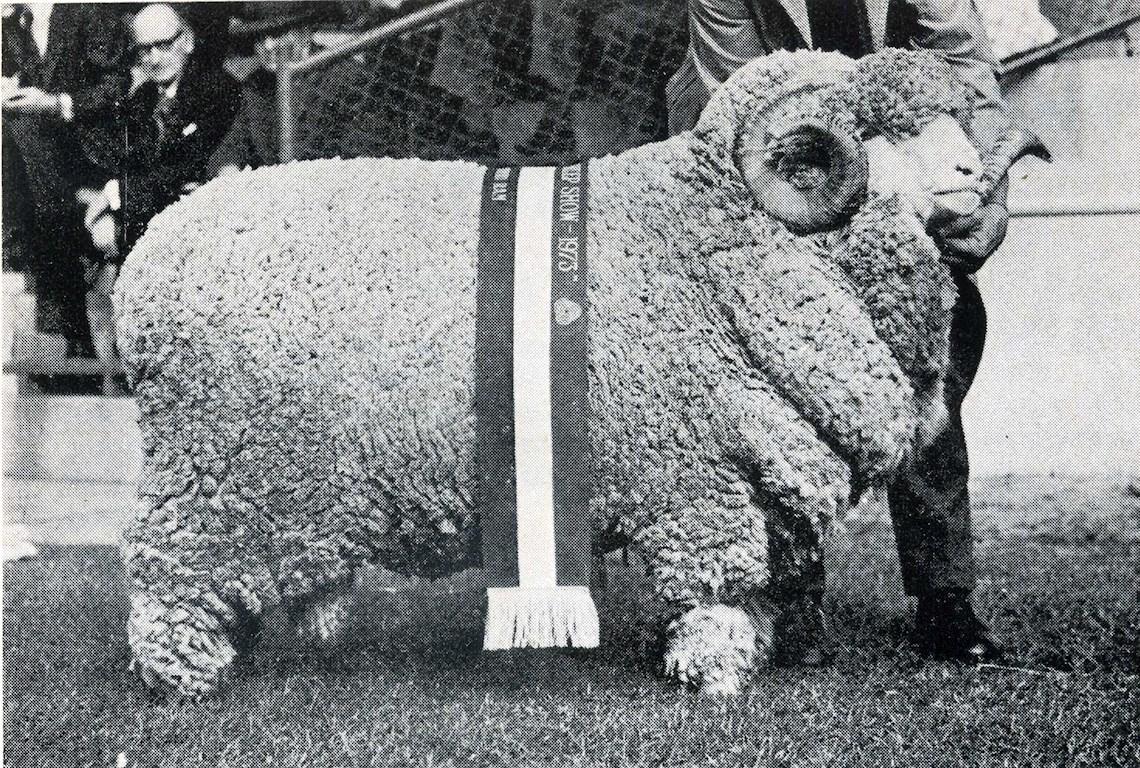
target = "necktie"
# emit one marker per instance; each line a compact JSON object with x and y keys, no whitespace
{"x":839,"y":25}
{"x":164,"y":117}
{"x":31,"y":57}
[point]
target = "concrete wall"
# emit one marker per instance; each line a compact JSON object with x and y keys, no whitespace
{"x":1059,"y":386}
{"x":1084,"y":110}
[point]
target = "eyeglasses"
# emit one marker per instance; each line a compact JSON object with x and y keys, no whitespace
{"x":161,"y":46}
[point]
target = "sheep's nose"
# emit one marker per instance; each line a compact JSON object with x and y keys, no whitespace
{"x":970,"y":166}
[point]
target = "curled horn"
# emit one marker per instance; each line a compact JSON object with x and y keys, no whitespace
{"x":808,"y":175}
{"x":1013,"y":145}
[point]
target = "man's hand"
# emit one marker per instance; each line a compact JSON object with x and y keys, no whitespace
{"x":8,"y":86}
{"x":967,"y":241}
{"x":139,"y":78}
{"x":33,"y":101}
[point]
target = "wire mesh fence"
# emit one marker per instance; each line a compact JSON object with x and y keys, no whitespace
{"x":520,"y":83}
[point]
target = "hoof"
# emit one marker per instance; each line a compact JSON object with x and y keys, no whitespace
{"x":714,"y":649}
{"x":325,"y":619}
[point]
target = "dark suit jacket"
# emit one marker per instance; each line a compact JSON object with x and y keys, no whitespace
{"x":724,"y":34}
{"x":86,"y":45}
{"x":153,"y":166}
{"x":85,"y":50}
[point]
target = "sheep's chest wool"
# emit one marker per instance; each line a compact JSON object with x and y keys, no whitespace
{"x":532,"y":454}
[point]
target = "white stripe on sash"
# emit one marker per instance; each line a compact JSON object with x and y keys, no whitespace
{"x":534,"y":466}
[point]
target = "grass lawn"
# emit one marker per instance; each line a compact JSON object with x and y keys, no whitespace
{"x":412,"y":688}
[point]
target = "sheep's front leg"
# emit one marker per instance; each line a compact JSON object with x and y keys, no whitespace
{"x":706,"y":553}
{"x":742,"y":547}
{"x":715,"y":648}
{"x":802,"y":485}
{"x":794,"y":595}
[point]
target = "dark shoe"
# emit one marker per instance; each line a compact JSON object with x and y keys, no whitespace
{"x":946,"y":627}
{"x":803,"y":636}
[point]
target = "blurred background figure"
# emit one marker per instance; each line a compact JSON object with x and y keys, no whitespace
{"x":62,"y":77}
{"x":551,"y":81}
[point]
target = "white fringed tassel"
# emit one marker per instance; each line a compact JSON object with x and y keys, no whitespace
{"x":546,"y":617}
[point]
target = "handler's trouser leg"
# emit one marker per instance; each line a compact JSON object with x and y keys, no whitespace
{"x":930,"y":503}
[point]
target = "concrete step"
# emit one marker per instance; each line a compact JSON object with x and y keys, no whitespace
{"x":20,"y":312}
{"x":15,"y":282}
{"x":67,"y":512}
{"x":72,"y":438}
{"x":41,"y":349}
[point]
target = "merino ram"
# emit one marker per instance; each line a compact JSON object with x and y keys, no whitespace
{"x":766,"y":335}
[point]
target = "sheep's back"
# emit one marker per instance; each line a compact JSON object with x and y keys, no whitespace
{"x":286,"y":329}
{"x":314,"y":253}
{"x":309,"y":331}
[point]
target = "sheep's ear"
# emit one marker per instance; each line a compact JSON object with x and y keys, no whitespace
{"x":808,"y":175}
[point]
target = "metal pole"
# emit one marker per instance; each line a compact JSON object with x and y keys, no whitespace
{"x":408,"y":23}
{"x":1074,"y":207}
{"x":1054,"y":49}
{"x":287,"y":128}
{"x":287,"y":68}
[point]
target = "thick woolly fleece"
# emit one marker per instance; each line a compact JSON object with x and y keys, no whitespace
{"x":301,"y":342}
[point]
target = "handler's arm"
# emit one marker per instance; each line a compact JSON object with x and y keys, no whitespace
{"x":954,"y":29}
{"x":723,"y":36}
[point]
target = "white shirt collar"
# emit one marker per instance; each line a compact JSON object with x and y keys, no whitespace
{"x":41,"y":20}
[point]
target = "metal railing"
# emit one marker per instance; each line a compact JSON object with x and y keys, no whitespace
{"x":1042,"y":54}
{"x":287,"y":70}
{"x":1075,"y":206}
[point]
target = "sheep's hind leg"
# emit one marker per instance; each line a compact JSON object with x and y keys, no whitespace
{"x":195,"y":605}
{"x":179,"y":646}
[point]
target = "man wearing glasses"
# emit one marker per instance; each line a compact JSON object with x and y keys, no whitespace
{"x":177,"y":108}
